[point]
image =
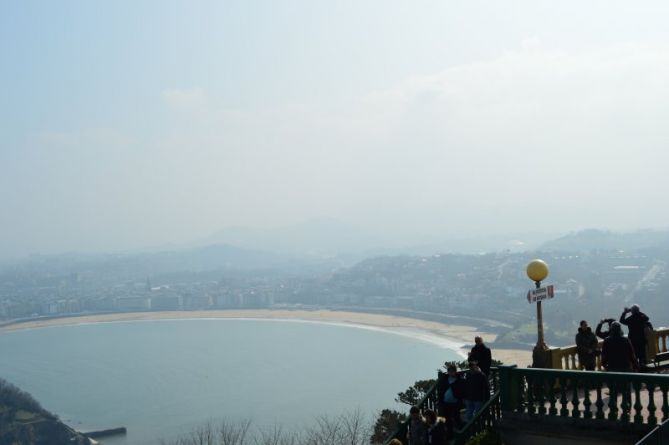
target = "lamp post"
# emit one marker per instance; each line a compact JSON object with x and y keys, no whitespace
{"x":537,"y":271}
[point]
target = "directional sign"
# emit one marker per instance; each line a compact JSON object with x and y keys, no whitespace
{"x":543,"y":293}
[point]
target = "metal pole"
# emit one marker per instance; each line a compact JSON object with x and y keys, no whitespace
{"x":540,"y":319}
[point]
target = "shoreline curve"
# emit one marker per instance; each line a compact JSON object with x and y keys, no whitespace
{"x":455,"y":337}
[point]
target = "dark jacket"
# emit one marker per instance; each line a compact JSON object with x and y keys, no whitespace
{"x":481,"y":353}
{"x":586,"y":346}
{"x":436,"y":434}
{"x":417,"y":432}
{"x":476,"y":386}
{"x":636,"y":323}
{"x":443,"y":385}
{"x":618,"y":354}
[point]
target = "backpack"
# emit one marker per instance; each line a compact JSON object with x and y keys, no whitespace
{"x":649,"y":332}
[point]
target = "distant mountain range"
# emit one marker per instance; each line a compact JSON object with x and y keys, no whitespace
{"x":321,"y":245}
{"x":349,"y":244}
{"x":324,"y":237}
{"x":328,"y":237}
{"x":216,"y":257}
{"x":593,"y":239}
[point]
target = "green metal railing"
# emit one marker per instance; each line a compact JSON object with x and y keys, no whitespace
{"x":658,"y":436}
{"x":483,"y":420}
{"x":613,"y":396}
{"x":616,"y":399}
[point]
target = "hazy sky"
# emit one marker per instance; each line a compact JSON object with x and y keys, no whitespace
{"x":127,"y":124}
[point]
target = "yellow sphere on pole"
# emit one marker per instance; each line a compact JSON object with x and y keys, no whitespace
{"x":537,"y":270}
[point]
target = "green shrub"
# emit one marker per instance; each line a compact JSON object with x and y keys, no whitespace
{"x":485,"y":438}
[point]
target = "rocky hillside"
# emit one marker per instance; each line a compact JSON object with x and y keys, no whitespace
{"x":24,"y":422}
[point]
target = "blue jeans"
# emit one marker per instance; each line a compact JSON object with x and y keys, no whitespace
{"x":472,"y":407}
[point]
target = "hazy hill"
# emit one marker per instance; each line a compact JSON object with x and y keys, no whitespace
{"x":593,"y":239}
{"x":133,"y":266}
{"x":325,"y":237}
{"x":483,"y":244}
{"x":328,"y":237}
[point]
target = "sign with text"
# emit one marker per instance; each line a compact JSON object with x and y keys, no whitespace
{"x":543,"y":293}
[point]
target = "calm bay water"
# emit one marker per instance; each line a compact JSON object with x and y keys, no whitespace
{"x":162,"y":378}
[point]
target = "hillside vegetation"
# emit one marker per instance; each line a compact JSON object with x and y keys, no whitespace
{"x":23,"y":421}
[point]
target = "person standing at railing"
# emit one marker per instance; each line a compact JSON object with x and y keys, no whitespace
{"x":417,"y":427}
{"x":618,"y":352}
{"x":586,"y":346}
{"x":481,"y":353}
{"x":636,"y":324}
{"x":451,"y":391}
{"x":618,"y":356}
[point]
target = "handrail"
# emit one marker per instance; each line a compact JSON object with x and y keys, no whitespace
{"x":483,"y":419}
{"x":430,"y":401}
{"x":582,"y":395}
{"x":641,"y":401}
{"x":660,"y":343}
{"x":567,"y":357}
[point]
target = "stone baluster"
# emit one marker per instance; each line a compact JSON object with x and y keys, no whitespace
{"x":541,"y":397}
{"x":613,"y":401}
{"x":652,"y":415}
{"x":599,"y":403}
{"x":587,"y":403}
{"x":551,"y":398}
{"x":575,"y":402}
{"x":564,"y":411}
{"x":665,"y":403}
{"x":626,"y":403}
{"x":531,"y":409}
{"x":638,"y":418}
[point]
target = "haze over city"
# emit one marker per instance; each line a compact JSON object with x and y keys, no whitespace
{"x":131,"y":125}
{"x":370,"y":222}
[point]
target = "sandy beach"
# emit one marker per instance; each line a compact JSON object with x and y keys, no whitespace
{"x":456,"y":337}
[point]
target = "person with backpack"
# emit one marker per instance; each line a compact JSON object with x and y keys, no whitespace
{"x":451,"y":391}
